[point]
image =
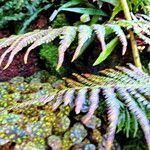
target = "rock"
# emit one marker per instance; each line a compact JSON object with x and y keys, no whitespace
{"x":78,"y":133}
{"x":6,"y":118}
{"x":39,"y":129}
{"x":17,"y":80}
{"x":90,"y":147}
{"x":54,"y":142}
{"x":66,"y":141}
{"x":12,"y":133}
{"x":62,"y":124}
{"x":34,"y":144}
{"x":58,"y":84}
{"x":41,"y":76}
{"x":93,"y":123}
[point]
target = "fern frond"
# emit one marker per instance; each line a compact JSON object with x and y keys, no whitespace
{"x":100,"y":32}
{"x":7,"y":41}
{"x":139,"y":97}
{"x":50,"y":36}
{"x":140,"y":115}
{"x":68,"y":35}
{"x":94,"y":102}
{"x":145,"y":17}
{"x":13,"y":43}
{"x":140,"y":25}
{"x":129,"y":87}
{"x":58,"y":99}
{"x":143,"y":37}
{"x":80,"y":99}
{"x":83,"y":80}
{"x":72,"y":83}
{"x":120,"y":35}
{"x":129,"y":73}
{"x":68,"y":97}
{"x":113,"y":114}
{"x":24,"y":42}
{"x":85,"y":33}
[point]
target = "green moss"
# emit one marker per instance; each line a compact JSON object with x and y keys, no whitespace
{"x":60,"y":21}
{"x":49,"y":53}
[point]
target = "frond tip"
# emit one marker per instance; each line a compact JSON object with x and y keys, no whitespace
{"x":68,"y":35}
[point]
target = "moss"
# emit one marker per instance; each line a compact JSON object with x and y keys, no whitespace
{"x":49,"y":53}
{"x":60,"y":21}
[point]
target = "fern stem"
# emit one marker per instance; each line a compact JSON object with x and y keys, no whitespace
{"x":135,"y":52}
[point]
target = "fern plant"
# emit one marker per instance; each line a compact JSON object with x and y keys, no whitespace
{"x":21,"y":10}
{"x":67,"y":35}
{"x":140,"y":25}
{"x":130,"y":87}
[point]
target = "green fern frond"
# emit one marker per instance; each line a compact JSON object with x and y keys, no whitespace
{"x":127,"y":86}
{"x":24,"y":11}
{"x":139,"y":114}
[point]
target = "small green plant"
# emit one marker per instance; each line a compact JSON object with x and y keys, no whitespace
{"x":21,"y":10}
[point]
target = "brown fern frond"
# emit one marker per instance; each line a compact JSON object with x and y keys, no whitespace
{"x":83,"y":80}
{"x":72,"y":83}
